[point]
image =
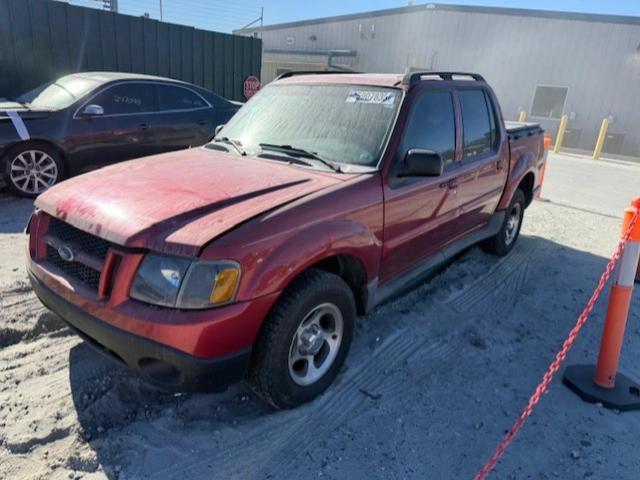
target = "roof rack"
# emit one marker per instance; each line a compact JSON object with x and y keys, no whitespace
{"x":310,"y":72}
{"x":414,"y":77}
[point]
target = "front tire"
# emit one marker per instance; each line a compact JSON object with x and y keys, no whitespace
{"x":502,"y":243}
{"x":304,"y":341}
{"x":31,"y":168}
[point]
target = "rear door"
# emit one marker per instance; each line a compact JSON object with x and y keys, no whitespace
{"x":484,"y":166}
{"x":186,"y":119}
{"x":419,"y":211}
{"x":124,"y":130}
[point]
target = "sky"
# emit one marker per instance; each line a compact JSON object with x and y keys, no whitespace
{"x":225,"y":15}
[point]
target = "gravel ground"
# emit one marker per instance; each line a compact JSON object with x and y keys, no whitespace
{"x":433,"y":379}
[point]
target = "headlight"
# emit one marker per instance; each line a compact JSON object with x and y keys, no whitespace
{"x":185,"y":283}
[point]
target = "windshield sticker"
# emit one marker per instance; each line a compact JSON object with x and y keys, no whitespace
{"x":372,"y":97}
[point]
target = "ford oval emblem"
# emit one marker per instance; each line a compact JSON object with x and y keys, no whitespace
{"x":66,"y":253}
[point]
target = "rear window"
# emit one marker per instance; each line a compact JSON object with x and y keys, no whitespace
{"x":177,"y":98}
{"x":478,"y":134}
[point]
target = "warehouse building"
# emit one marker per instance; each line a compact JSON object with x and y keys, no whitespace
{"x":545,"y":63}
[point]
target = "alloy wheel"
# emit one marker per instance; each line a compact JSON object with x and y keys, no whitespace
{"x":33,"y":171}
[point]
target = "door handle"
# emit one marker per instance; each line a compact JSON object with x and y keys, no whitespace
{"x":144,"y":126}
{"x":450,"y":184}
{"x":202,"y":122}
{"x":499,"y":164}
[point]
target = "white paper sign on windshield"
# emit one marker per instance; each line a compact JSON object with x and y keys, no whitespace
{"x":371,"y":97}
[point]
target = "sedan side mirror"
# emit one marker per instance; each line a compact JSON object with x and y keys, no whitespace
{"x":422,"y":163}
{"x":92,"y":110}
{"x":217,"y":130}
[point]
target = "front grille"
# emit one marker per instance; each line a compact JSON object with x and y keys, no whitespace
{"x":82,"y":241}
{"x":78,"y":271}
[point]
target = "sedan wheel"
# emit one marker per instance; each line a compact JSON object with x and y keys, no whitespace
{"x":33,"y":171}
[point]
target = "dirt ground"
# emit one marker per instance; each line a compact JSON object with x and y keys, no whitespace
{"x":433,"y":379}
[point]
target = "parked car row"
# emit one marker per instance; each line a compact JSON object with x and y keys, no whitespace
{"x":86,"y":120}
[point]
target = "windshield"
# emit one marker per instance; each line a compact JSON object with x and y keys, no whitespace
{"x":340,"y":123}
{"x":59,"y":94}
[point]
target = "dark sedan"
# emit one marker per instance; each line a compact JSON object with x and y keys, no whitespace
{"x":86,"y":120}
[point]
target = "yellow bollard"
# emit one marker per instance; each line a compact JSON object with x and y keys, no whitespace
{"x":523,"y":116}
{"x":560,"y":137}
{"x":601,"y":136}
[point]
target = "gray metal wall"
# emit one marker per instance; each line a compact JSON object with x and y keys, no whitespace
{"x":597,"y":57}
{"x":41,"y":40}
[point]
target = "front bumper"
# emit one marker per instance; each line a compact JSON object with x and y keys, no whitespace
{"x":157,"y":363}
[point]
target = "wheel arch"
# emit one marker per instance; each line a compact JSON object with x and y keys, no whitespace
{"x":521,"y":171}
{"x":345,"y":247}
{"x":51,"y":149}
{"x":351,"y":269}
{"x":39,"y":141}
{"x":526,"y":185}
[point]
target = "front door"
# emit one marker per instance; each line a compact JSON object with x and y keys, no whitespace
{"x":125,"y":130}
{"x":485,"y":157}
{"x":419,"y":211}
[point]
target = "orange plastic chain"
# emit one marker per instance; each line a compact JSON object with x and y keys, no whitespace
{"x":562,"y":354}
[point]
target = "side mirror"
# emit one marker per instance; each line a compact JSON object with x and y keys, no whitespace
{"x":217,"y":130}
{"x":422,"y":163}
{"x":92,"y":110}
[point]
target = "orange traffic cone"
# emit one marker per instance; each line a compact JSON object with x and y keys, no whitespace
{"x":603,"y":383}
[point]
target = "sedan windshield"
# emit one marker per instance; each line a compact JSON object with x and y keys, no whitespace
{"x":345,"y":124}
{"x":59,"y":94}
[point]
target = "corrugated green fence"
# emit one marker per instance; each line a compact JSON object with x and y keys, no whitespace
{"x":41,"y":40}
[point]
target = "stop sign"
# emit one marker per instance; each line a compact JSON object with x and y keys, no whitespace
{"x":251,"y":86}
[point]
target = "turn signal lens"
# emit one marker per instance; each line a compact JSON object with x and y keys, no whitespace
{"x":224,"y":286}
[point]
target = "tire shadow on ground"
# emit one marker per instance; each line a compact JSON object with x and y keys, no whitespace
{"x":449,"y":331}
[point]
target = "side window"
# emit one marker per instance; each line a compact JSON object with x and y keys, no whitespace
{"x":432,"y":126}
{"x":178,"y":98}
{"x":476,"y":124}
{"x":492,"y":122}
{"x":127,"y":98}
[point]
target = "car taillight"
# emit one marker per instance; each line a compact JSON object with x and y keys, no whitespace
{"x":547,"y":141}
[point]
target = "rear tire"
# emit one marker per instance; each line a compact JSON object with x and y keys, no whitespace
{"x":502,"y":242}
{"x":31,"y":168}
{"x":304,"y":340}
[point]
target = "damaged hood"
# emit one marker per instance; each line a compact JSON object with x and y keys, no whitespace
{"x":177,"y":202}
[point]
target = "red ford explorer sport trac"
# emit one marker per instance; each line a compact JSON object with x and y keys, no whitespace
{"x":250,"y":257}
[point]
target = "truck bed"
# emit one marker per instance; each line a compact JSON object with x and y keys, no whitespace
{"x":516,"y":130}
{"x":526,"y":147}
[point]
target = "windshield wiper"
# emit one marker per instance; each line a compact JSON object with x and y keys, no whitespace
{"x":301,"y":152}
{"x":234,"y":143}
